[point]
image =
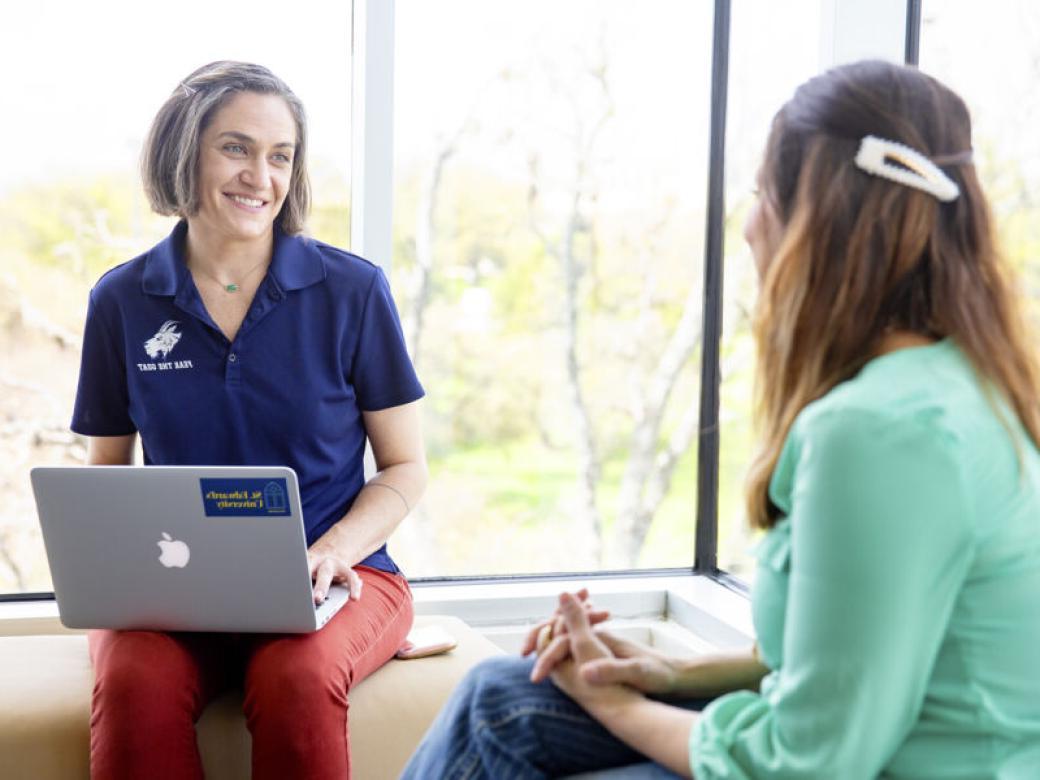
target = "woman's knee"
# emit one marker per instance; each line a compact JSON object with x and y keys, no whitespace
{"x":276,"y":678}
{"x":140,"y":659}
{"x":509,"y":669}
{"x":500,"y":689}
{"x":144,"y":668}
{"x":497,"y":675}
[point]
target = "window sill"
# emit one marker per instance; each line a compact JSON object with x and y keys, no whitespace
{"x":708,"y":611}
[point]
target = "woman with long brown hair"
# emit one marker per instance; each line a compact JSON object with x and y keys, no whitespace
{"x":898,"y":482}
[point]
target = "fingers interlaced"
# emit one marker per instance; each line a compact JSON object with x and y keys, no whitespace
{"x":557,"y":651}
{"x":531,"y":640}
{"x":530,"y":643}
{"x":574,"y":616}
{"x":618,"y":646}
{"x":559,"y":623}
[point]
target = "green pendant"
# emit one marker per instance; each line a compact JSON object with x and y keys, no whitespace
{"x":231,"y":287}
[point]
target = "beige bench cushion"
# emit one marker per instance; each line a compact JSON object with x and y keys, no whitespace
{"x":46,"y":682}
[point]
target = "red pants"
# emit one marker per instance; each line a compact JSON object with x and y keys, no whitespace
{"x":150,"y":688}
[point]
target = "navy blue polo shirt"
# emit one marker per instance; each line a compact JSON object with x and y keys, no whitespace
{"x":320,"y":343}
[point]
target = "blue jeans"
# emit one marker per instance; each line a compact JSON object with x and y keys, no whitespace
{"x":498,"y":725}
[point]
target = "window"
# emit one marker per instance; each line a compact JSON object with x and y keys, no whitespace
{"x":85,"y":80}
{"x":1000,"y":90}
{"x":549,"y":208}
{"x":550,"y":175}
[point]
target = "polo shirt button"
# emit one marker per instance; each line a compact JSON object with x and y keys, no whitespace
{"x":232,"y":357}
{"x":275,"y":295}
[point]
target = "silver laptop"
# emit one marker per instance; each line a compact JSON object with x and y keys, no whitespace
{"x":179,"y":548}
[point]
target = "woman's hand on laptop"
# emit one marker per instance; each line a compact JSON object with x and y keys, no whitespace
{"x":327,"y":569}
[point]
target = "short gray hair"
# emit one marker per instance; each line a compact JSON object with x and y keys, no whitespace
{"x":170,"y":160}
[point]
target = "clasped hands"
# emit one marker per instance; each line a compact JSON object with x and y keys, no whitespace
{"x":598,"y":670}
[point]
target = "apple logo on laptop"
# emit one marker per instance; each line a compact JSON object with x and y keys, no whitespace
{"x":174,"y":553}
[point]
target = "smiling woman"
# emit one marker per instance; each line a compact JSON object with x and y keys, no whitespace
{"x":271,"y":348}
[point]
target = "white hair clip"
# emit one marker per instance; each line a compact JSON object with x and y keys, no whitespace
{"x":917,"y":171}
{"x":188,"y":91}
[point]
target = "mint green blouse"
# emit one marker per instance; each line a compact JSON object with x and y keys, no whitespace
{"x":897,"y":602}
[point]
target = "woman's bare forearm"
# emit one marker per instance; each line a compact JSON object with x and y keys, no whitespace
{"x":377,"y":511}
{"x":716,"y":674}
{"x":657,"y":730}
{"x":391,"y":494}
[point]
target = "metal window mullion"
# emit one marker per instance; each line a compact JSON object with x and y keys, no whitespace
{"x":706,"y":550}
{"x":912,"y":53}
{"x":372,"y":144}
{"x":372,"y":126}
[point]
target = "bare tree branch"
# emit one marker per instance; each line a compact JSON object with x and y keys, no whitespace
{"x":568,"y":255}
{"x":21,"y":582}
{"x":426,"y":236}
{"x":635,"y":509}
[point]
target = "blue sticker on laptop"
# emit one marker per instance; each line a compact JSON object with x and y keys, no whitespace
{"x":245,"y":497}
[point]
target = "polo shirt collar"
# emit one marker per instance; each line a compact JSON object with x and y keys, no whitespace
{"x":296,"y":262}
{"x":164,"y":268}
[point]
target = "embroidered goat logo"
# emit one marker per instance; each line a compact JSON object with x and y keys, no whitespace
{"x":163,"y":342}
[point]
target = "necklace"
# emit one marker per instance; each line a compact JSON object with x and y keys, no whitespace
{"x":233,"y":287}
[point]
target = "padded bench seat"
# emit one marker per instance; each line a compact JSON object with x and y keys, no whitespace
{"x":46,"y":683}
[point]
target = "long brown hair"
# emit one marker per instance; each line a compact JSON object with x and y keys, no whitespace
{"x":861,"y":255}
